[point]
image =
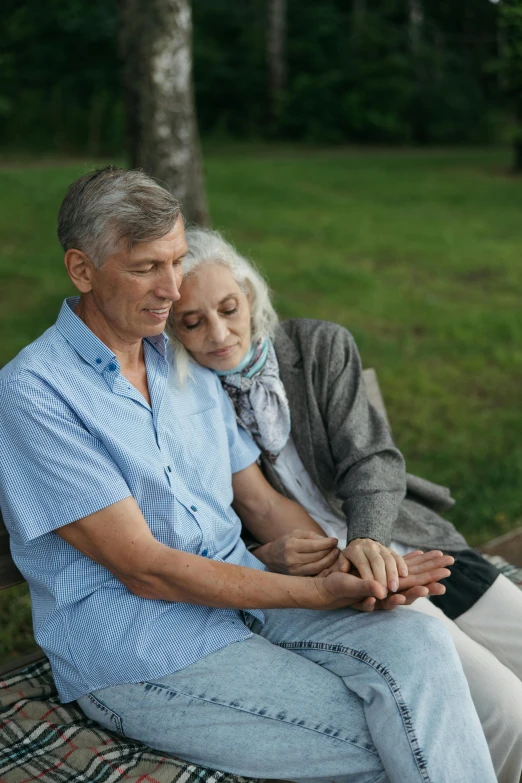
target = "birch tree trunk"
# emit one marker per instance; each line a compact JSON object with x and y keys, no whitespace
{"x":156,"y":46}
{"x":358,"y":17}
{"x":276,"y":55}
{"x":415,"y":36}
{"x":415,"y":25}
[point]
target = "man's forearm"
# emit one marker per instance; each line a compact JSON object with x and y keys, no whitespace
{"x":118,"y":538}
{"x":172,"y":575}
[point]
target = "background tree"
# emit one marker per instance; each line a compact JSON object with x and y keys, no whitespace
{"x":276,"y":55}
{"x":415,"y":42}
{"x":350,"y":72}
{"x":510,"y":56}
{"x":156,"y":46}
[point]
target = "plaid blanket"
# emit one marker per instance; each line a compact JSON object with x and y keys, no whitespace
{"x":509,"y":570}
{"x":45,"y":741}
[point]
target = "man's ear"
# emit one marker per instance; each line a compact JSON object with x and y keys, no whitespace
{"x":80,"y":269}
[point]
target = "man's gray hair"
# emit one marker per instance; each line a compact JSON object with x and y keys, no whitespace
{"x":111,"y":205}
{"x":208,"y":247}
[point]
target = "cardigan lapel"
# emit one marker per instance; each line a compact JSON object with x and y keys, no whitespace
{"x":291,"y":371}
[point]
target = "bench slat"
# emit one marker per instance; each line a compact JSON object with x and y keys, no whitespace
{"x":9,"y":573}
{"x":20,"y":662}
{"x":508,"y":546}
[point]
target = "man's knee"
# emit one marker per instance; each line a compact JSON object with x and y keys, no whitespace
{"x":426,"y":639}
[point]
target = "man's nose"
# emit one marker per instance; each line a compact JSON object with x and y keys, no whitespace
{"x":169,"y":284}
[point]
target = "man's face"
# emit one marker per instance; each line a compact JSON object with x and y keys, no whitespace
{"x":132,"y":293}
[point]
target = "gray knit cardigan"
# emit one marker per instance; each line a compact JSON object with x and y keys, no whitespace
{"x":347,"y":448}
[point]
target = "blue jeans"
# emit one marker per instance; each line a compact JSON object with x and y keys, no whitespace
{"x":315,"y":696}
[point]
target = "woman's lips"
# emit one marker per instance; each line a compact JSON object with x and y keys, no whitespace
{"x":223,"y":352}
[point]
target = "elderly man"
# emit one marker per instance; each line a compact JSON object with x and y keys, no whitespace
{"x":116,"y":486}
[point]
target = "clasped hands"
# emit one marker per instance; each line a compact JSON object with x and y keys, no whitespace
{"x":404,"y":579}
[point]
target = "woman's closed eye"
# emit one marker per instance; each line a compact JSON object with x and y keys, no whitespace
{"x":190,"y":325}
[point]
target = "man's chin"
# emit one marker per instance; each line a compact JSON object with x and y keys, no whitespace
{"x":152,"y":330}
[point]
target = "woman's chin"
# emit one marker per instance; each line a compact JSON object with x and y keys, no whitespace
{"x":223,"y":361}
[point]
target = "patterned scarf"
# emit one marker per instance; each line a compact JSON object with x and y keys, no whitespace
{"x":259,"y":398}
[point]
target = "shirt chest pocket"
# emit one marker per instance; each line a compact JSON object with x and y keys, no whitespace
{"x":205,"y":444}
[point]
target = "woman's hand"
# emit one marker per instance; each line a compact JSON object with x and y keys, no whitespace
{"x":376,"y":561}
{"x":299,"y":553}
{"x":425,"y":571}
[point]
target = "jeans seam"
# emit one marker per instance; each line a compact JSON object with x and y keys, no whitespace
{"x":107,"y":710}
{"x":404,"y":712}
{"x":159,"y":686}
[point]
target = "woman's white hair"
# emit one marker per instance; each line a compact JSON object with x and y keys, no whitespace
{"x":208,"y":247}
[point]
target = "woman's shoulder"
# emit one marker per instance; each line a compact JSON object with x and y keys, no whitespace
{"x":311,"y":332}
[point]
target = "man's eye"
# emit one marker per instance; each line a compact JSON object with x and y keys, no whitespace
{"x":144,"y":271}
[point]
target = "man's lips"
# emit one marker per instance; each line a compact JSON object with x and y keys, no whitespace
{"x":158,"y":312}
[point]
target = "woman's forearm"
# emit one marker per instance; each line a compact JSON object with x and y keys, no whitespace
{"x":265,"y":513}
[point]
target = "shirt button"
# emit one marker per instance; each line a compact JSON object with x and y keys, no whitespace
{"x":193,"y":508}
{"x":111,"y":367}
{"x":169,"y":469}
{"x":98,"y":360}
{"x":204,"y":553}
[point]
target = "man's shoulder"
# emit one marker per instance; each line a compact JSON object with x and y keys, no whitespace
{"x":38,"y":360}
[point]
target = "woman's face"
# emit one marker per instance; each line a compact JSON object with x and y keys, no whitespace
{"x":212,"y":317}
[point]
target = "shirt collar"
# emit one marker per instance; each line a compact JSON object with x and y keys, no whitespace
{"x":90,"y":347}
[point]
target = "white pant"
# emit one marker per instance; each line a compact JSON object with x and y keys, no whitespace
{"x":488,"y":638}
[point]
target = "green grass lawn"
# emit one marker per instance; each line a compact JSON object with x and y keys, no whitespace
{"x":418,"y":253}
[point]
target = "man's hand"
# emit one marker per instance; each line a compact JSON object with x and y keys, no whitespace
{"x":376,"y":561}
{"x":425,"y":571}
{"x":338,"y":589}
{"x":299,"y":553}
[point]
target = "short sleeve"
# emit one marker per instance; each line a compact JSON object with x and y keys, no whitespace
{"x":53,"y":471}
{"x":243,"y":450}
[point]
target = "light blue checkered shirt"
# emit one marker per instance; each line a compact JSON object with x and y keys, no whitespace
{"x":76,"y":437}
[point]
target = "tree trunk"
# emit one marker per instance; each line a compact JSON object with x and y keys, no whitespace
{"x":415,"y":36}
{"x":358,"y":19}
{"x":415,"y":25}
{"x":276,"y":55}
{"x":517,"y":141}
{"x":156,"y":46}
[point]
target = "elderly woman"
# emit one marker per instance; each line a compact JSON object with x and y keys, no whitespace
{"x":297,"y":387}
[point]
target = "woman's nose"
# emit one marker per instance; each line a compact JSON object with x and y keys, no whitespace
{"x":218,"y":330}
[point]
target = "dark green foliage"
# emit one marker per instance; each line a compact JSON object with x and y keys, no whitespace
{"x":353,"y":74}
{"x":510,"y":68}
{"x":60,"y":83}
{"x":349,"y":79}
